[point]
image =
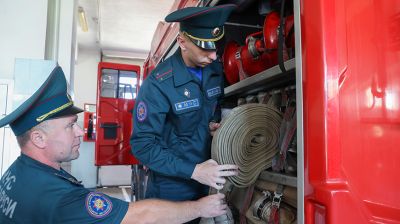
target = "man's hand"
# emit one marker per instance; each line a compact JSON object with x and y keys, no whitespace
{"x":212,"y":174}
{"x":212,"y":205}
{"x":213,"y":127}
{"x":162,"y":211}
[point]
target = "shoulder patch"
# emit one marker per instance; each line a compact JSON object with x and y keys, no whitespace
{"x":98,"y":205}
{"x":164,"y":75}
{"x":141,"y":111}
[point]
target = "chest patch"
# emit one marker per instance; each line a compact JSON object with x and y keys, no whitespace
{"x":98,"y":205}
{"x":187,"y":104}
{"x":214,"y":91}
{"x":141,"y":111}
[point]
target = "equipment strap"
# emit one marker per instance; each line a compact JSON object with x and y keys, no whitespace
{"x":246,"y":204}
{"x":281,"y":38}
{"x":276,"y":202}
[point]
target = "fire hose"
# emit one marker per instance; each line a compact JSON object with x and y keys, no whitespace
{"x":248,"y":137}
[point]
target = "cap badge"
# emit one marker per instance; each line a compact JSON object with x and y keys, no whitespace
{"x":186,"y":93}
{"x":216,"y":32}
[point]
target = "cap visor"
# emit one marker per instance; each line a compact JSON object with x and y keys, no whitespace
{"x":206,"y":45}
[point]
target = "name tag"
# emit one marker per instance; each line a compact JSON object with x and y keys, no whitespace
{"x":187,"y":104}
{"x":214,"y":91}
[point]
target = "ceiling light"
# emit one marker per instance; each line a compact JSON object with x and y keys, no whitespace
{"x":82,"y":19}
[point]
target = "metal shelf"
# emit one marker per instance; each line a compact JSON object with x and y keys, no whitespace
{"x":269,"y":78}
{"x":266,"y":80}
{"x":279,"y":178}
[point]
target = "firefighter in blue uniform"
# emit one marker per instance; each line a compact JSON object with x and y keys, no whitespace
{"x":35,"y":189}
{"x":176,"y":110}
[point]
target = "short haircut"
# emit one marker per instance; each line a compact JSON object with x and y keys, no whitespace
{"x":25,"y":137}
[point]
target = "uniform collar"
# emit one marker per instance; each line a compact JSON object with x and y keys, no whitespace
{"x":182,"y":75}
{"x":180,"y":72}
{"x":32,"y":162}
{"x":59,"y":173}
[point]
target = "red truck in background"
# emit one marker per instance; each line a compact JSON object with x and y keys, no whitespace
{"x":346,"y":73}
{"x":117,"y":86}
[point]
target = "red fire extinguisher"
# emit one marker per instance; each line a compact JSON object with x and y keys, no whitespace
{"x":259,"y":52}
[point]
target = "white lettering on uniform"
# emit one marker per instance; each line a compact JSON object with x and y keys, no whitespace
{"x":10,"y":207}
{"x":8,"y":179}
{"x":7,"y":204}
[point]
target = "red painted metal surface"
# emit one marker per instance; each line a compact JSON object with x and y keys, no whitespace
{"x":351,"y":108}
{"x":118,"y":112}
{"x":231,"y":63}
{"x":164,"y":37}
{"x":253,"y":65}
{"x":260,"y":51}
{"x":351,"y":85}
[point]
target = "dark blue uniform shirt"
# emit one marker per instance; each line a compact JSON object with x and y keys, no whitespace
{"x":32,"y":192}
{"x":171,"y":134}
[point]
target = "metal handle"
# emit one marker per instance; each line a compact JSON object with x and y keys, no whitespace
{"x":105,"y":125}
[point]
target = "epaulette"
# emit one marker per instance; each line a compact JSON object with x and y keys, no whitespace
{"x":163,"y":72}
{"x":161,"y":76}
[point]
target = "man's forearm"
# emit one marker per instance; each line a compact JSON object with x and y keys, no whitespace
{"x":160,"y":211}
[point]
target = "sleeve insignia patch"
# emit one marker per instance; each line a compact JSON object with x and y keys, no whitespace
{"x":98,"y":205}
{"x":141,"y":111}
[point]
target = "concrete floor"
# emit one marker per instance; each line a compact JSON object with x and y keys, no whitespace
{"x":123,"y":193}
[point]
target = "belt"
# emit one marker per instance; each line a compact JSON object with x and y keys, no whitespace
{"x":248,"y":137}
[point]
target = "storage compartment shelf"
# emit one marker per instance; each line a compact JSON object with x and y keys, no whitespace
{"x":270,"y":78}
{"x":278,"y":178}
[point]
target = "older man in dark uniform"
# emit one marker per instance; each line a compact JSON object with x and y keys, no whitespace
{"x":35,"y":189}
{"x":176,"y":110}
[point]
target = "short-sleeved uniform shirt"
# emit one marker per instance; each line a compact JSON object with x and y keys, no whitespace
{"x":171,"y":133}
{"x":32,"y":192}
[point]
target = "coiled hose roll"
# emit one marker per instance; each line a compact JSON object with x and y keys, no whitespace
{"x":247,"y":137}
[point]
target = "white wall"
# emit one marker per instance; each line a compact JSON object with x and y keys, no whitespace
{"x":8,"y":151}
{"x":85,"y":87}
{"x":23,"y":32}
{"x":85,"y":81}
{"x":23,"y":35}
{"x":67,"y":39}
{"x":23,"y":25}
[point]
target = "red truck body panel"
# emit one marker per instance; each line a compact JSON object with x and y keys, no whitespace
{"x":351,"y":84}
{"x":350,"y":54}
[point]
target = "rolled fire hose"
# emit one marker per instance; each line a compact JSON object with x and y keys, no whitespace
{"x":247,"y":137}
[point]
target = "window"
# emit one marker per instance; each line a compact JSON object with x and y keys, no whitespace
{"x":118,"y":84}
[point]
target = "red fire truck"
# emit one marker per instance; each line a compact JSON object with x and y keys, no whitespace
{"x":341,"y":60}
{"x":116,"y":91}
